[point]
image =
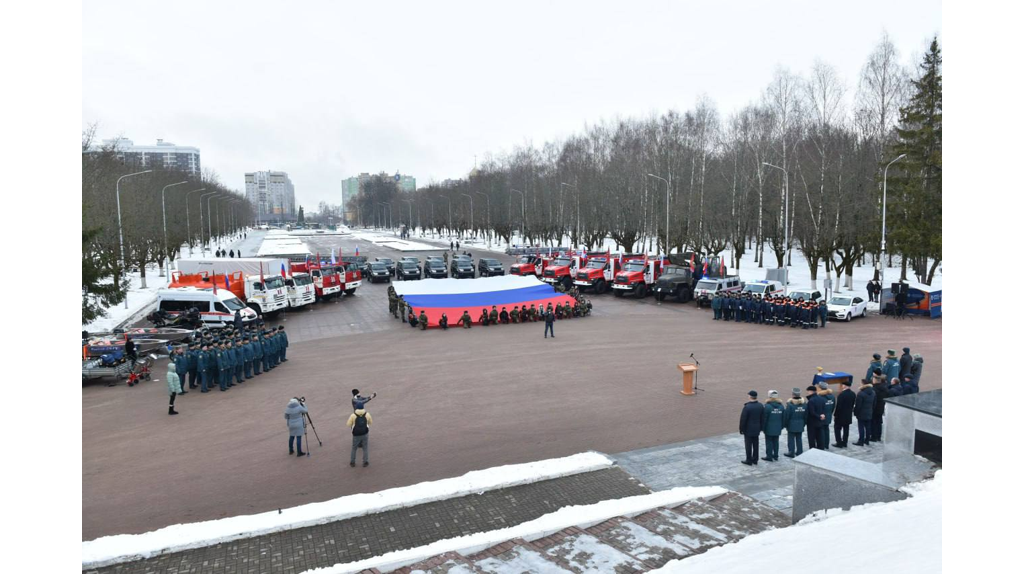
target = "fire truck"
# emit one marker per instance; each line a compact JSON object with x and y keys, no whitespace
{"x":264,"y":295}
{"x":562,"y":269}
{"x":637,"y":277}
{"x":326,"y":281}
{"x":680,"y":278}
{"x":600,"y":271}
{"x":527,"y":265}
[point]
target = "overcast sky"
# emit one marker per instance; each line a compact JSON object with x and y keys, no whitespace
{"x":327,"y":90}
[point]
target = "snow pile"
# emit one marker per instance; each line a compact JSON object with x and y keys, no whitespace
{"x":127,"y":547}
{"x":385,"y":239}
{"x":903,"y":536}
{"x":580,"y":516}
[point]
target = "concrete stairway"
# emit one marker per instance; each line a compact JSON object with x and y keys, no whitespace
{"x":622,"y":544}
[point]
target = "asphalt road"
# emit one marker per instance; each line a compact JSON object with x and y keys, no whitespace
{"x":448,"y":402}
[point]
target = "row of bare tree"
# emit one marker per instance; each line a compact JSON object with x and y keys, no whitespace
{"x":804,"y":156}
{"x":196,"y":212}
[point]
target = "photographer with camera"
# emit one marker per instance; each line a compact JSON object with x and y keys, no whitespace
{"x":295,"y":415}
{"x":357,"y":398}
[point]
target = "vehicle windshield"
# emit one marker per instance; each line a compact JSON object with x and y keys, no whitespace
{"x":233,"y":303}
{"x":672,"y":271}
{"x":635,"y":266}
{"x":707,"y":285}
{"x":561,"y":261}
{"x":491,"y":262}
{"x":410,"y":260}
{"x":596,"y":264}
{"x":273,"y":282}
{"x":841,"y":301}
{"x":435,"y":264}
{"x":524,"y":259}
{"x":378,"y":267}
{"x":303,"y":280}
{"x":755,"y":288}
{"x":385,"y":260}
{"x":805,"y":295}
{"x":408,"y":266}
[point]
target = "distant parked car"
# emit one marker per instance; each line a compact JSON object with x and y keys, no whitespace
{"x":806,"y":294}
{"x":435,"y":269}
{"x":490,"y":267}
{"x":379,"y":272}
{"x":408,"y":270}
{"x":462,"y":266}
{"x":388,"y":263}
{"x":845,"y":308}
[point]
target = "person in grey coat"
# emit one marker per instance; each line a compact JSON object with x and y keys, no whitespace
{"x":173,"y":386}
{"x":295,"y":416}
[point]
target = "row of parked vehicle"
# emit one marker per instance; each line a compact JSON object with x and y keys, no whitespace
{"x":384,"y":269}
{"x":683,"y":277}
{"x":218,"y":288}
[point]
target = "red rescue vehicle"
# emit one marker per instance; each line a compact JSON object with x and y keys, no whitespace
{"x":637,"y":277}
{"x":599,"y":272}
{"x":326,"y":281}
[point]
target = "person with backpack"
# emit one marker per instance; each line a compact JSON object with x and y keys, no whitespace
{"x":794,"y":420}
{"x":360,"y":422}
{"x":771,"y":424}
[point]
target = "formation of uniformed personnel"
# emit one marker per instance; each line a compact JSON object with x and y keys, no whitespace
{"x":769,"y":310}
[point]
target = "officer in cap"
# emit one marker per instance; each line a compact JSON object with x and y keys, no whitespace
{"x":284,"y":343}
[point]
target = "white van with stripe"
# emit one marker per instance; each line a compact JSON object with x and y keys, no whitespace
{"x":216,"y":310}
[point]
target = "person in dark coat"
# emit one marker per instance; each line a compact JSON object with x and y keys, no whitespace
{"x":794,"y":419}
{"x":891,"y":366}
{"x":750,"y":427}
{"x":911,"y":384}
{"x":181,"y":366}
{"x":876,"y":363}
{"x":549,"y":323}
{"x":815,"y":417}
{"x":823,"y":313}
{"x":863,"y":409}
{"x":906,"y":360}
{"x":881,"y":389}
{"x":895,"y":390}
{"x":193,"y":366}
{"x":203,"y":366}
{"x":843,"y":416}
{"x":830,"y":406}
{"x":771,"y":425}
{"x":129,"y":350}
{"x":283,"y":339}
{"x":231,"y":254}
{"x":238,"y":320}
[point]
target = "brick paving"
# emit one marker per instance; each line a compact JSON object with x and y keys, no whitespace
{"x":375,"y":534}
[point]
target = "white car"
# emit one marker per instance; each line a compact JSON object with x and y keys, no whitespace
{"x":845,"y":308}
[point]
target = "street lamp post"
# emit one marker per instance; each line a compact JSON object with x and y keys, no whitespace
{"x":488,"y":216}
{"x":120,"y":233}
{"x":209,"y":218}
{"x":668,"y":188}
{"x":522,"y":230}
{"x":472,"y":227}
{"x":885,"y":176}
{"x":446,"y":198}
{"x":188,"y":223}
{"x":163,"y":208}
{"x":785,"y":225}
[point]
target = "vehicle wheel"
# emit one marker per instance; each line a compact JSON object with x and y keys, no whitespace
{"x":349,"y":291}
{"x":600,"y":287}
{"x":849,"y":317}
{"x":641,"y":291}
{"x":256,"y":308}
{"x":659,"y":297}
{"x":618,"y":292}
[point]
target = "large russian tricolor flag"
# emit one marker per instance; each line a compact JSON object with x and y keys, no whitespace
{"x":453,"y":296}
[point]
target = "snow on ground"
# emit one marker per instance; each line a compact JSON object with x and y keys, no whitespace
{"x":126,"y":547}
{"x":581,"y":516}
{"x":143,"y":301}
{"x":391,"y":240}
{"x":903,"y":536}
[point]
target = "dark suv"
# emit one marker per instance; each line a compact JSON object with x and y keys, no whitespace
{"x":388,"y":262}
{"x":462,"y":266}
{"x":378,"y":272}
{"x":434,"y":269}
{"x":408,"y":270}
{"x":490,"y":267}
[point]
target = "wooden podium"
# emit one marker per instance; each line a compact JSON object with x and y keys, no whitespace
{"x":689,"y":377}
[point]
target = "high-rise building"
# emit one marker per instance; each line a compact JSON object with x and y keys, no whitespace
{"x":272,"y":195}
{"x":163,"y":155}
{"x":350,"y":189}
